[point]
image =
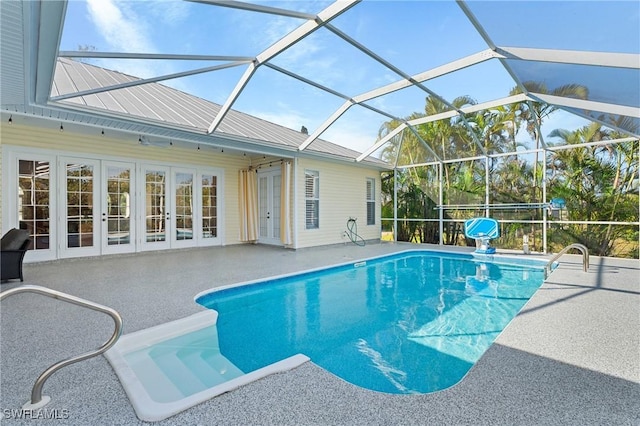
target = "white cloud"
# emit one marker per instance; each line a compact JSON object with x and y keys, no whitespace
{"x":353,"y":135}
{"x":286,"y":118}
{"x":125,"y":30}
{"x":120,"y":26}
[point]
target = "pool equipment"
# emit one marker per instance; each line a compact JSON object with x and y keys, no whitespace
{"x":556,"y":207}
{"x":483,"y":230}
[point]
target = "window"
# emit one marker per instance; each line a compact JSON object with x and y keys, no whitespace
{"x":371,"y":201}
{"x":209,"y":206}
{"x":34,"y":189}
{"x":312,"y":198}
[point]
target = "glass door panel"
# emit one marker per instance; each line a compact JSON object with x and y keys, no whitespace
{"x":79,"y":216}
{"x":34,"y":210}
{"x":117,"y":219}
{"x":209,"y":210}
{"x":156,"y":211}
{"x":183,"y":206}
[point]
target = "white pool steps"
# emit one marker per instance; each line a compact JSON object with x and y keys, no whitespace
{"x":174,"y":366}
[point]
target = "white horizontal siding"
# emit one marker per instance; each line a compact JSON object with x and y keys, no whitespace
{"x":342,"y":195}
{"x":103,"y":147}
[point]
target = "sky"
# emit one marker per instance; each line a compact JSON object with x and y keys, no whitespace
{"x":414,"y":36}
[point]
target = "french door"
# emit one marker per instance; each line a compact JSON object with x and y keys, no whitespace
{"x":78,"y":206}
{"x":182,"y":208}
{"x":118,"y":209}
{"x":269,"y":182}
{"x":156,"y":208}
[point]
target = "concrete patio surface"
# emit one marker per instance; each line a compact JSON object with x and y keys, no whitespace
{"x":571,"y":357}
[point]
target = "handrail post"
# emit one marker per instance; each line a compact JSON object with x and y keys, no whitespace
{"x":37,"y":400}
{"x":581,"y":247}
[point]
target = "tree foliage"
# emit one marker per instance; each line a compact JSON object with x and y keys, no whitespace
{"x":599,"y":182}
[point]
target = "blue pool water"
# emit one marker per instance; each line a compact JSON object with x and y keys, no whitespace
{"x":413,"y":322}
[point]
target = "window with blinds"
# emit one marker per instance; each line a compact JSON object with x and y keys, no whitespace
{"x":312,"y":199}
{"x":371,"y":201}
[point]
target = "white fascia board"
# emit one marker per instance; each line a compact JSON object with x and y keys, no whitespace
{"x":587,"y":105}
{"x":604,"y":59}
{"x":324,"y":126}
{"x":381,"y":142}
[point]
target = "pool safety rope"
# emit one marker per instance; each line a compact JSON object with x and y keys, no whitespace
{"x":352,"y":232}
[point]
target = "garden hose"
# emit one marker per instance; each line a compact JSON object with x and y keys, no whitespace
{"x":352,"y":232}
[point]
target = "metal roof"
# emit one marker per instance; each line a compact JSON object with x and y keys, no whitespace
{"x":39,"y":79}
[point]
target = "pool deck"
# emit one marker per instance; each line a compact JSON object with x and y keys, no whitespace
{"x":571,"y":357}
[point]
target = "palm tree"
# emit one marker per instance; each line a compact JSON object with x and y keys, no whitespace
{"x":537,"y":112}
{"x":598,"y":184}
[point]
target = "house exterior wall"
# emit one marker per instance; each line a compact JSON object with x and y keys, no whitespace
{"x":103,"y":147}
{"x":342,"y":186}
{"x":342,"y":195}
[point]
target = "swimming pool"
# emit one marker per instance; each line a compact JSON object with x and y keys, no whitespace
{"x":413,"y":322}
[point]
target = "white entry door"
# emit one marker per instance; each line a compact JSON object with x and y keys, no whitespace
{"x":269,"y":182}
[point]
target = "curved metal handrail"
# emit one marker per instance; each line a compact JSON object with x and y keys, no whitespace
{"x":581,"y":247}
{"x":36,"y":394}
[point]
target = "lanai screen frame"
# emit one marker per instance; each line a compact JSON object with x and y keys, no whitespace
{"x":487,"y":206}
{"x":505,"y":55}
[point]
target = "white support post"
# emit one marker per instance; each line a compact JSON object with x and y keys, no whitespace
{"x":544,"y":200}
{"x":395,"y":205}
{"x":441,"y":204}
{"x":487,"y":213}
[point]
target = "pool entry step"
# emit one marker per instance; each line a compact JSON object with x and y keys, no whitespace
{"x":182,"y":366}
{"x":171,"y":367}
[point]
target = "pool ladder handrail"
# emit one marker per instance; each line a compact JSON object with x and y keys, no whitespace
{"x":581,"y":247}
{"x":37,"y":400}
